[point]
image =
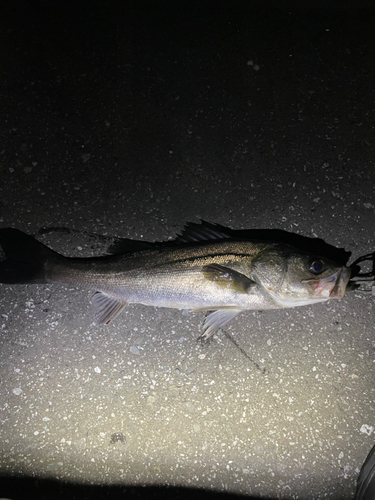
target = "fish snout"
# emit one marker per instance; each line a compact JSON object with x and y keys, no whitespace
{"x":332,"y":287}
{"x":338,"y":291}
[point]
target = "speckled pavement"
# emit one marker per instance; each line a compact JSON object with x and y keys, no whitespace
{"x":124,"y":120}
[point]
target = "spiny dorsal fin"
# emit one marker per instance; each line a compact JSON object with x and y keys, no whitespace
{"x":193,"y":233}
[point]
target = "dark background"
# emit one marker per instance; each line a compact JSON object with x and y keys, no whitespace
{"x":129,"y":119}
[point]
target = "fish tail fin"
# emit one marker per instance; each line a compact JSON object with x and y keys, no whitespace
{"x":27,"y":260}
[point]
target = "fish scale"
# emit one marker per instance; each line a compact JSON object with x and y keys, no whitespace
{"x":203,"y":269}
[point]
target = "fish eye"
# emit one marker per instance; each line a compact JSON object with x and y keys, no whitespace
{"x":316,"y":266}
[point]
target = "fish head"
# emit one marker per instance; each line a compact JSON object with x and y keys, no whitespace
{"x":294,"y":278}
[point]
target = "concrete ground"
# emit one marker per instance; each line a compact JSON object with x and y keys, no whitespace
{"x":124,"y":119}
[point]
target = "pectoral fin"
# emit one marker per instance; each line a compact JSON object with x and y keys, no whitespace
{"x":106,"y":308}
{"x":216,"y":320}
{"x":225,"y":277}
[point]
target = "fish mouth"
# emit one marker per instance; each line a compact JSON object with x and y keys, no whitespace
{"x":342,"y":280}
{"x":332,"y":287}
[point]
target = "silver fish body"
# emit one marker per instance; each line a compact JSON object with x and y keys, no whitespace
{"x":208,"y":272}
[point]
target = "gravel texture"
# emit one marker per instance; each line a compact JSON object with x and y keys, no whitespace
{"x":128,"y":120}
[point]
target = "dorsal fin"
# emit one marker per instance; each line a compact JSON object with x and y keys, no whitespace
{"x":193,"y":233}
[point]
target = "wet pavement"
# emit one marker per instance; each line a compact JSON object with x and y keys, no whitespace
{"x":128,"y":120}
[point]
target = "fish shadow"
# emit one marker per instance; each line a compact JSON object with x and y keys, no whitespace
{"x":311,"y":245}
{"x":315,"y":246}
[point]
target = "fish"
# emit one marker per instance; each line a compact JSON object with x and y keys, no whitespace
{"x":204,"y":269}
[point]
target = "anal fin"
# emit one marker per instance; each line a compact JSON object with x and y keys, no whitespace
{"x":106,"y":308}
{"x":217,"y":320}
